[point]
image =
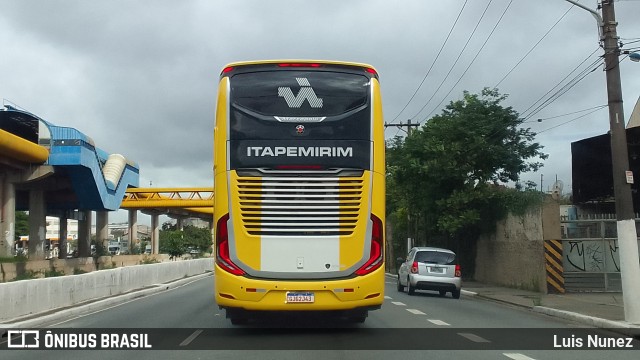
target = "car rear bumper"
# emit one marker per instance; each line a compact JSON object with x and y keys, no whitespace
{"x":425,"y":282}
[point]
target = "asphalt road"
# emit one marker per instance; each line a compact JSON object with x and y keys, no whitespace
{"x":423,"y":326}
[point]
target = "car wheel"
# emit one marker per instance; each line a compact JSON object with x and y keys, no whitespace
{"x":443,"y":293}
{"x":410,"y":289}
{"x":400,"y":286}
{"x":455,"y":294}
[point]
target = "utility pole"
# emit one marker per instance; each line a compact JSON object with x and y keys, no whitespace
{"x":627,"y":237}
{"x":409,"y":127}
{"x":626,"y":225}
{"x":400,"y":126}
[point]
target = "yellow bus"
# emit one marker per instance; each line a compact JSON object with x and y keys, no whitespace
{"x":299,"y":183}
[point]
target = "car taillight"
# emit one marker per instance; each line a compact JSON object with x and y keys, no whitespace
{"x":458,"y":271}
{"x":376,"y":255}
{"x":222,"y":248}
{"x":414,"y":267}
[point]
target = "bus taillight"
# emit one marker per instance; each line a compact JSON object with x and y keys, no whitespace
{"x":371,"y":71}
{"x":222,"y":248}
{"x":376,"y":254}
{"x":313,"y":65}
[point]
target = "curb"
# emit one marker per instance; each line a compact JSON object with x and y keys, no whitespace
{"x":585,"y":319}
{"x":97,"y":304}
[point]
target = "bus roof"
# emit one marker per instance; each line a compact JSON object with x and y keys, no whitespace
{"x":298,"y":61}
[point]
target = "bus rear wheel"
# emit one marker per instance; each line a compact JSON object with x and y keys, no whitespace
{"x":358,"y":316}
{"x":237,"y":316}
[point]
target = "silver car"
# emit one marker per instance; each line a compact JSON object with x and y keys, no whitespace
{"x":429,"y":268}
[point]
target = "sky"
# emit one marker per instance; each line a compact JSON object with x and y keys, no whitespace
{"x":140,"y":77}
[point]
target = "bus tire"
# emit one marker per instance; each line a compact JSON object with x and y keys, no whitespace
{"x":358,"y":316}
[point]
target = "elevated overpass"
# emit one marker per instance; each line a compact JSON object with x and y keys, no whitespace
{"x":178,"y":203}
{"x":52,"y":170}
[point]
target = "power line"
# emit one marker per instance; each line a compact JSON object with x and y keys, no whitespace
{"x":533,"y":47}
{"x":472,"y":60}
{"x":456,"y":61}
{"x":433,"y":63}
{"x":571,"y":113}
{"x":570,"y":85}
{"x":563,"y":90}
{"x":574,"y":119}
{"x":561,"y":81}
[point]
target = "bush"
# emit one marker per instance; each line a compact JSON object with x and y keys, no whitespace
{"x":53,"y":273}
{"x":13,"y":259}
{"x":77,"y":271}
{"x":27,"y":275}
{"x":149,"y":260}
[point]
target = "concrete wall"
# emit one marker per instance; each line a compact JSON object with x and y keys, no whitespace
{"x":22,"y":298}
{"x":37,"y":268}
{"x":514,"y":255}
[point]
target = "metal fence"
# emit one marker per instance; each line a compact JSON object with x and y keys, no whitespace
{"x":591,"y":258}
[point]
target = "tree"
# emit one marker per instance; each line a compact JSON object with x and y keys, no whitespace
{"x":450,"y":175}
{"x":168,"y":226}
{"x":22,"y":224}
{"x":198,"y":238}
{"x":172,"y":243}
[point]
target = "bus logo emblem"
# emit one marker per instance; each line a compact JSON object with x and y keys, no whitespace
{"x":300,"y":129}
{"x":305,"y":93}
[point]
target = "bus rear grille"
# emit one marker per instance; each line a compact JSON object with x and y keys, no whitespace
{"x":299,"y":206}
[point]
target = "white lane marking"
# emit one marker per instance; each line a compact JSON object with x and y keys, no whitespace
{"x":107,"y":300}
{"x":191,"y":337}
{"x":517,"y":356}
{"x":417,"y":312}
{"x":439,"y":322}
{"x":388,"y":297}
{"x":398,"y":303}
{"x":474,"y":337}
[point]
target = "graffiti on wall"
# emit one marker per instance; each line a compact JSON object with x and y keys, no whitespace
{"x":591,"y":256}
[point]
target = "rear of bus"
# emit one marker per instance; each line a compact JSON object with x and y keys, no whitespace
{"x":299,"y":189}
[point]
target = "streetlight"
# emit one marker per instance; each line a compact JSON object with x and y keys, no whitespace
{"x":626,"y":225}
{"x":634,"y":57}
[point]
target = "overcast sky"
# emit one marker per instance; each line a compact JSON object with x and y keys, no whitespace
{"x":140,"y":77}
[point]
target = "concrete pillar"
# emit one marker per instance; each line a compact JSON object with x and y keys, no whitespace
{"x":180,"y":223}
{"x":37,"y":225}
{"x":7,"y":216}
{"x":62,"y":236}
{"x":84,"y":233}
{"x":102,"y":228}
{"x":155,"y":233}
{"x":212,"y":231}
{"x":133,"y":229}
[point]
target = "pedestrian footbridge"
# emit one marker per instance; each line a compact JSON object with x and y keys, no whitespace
{"x":191,"y":202}
{"x":52,"y":170}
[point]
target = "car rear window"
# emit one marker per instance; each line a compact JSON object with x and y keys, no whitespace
{"x":436,"y":257}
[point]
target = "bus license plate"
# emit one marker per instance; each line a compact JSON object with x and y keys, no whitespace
{"x":300,"y":297}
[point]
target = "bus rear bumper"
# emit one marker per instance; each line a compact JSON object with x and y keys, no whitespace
{"x":359,"y":293}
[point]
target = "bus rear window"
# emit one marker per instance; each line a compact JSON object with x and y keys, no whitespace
{"x":299,"y":93}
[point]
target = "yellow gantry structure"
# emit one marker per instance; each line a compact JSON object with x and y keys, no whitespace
{"x":197,"y":201}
